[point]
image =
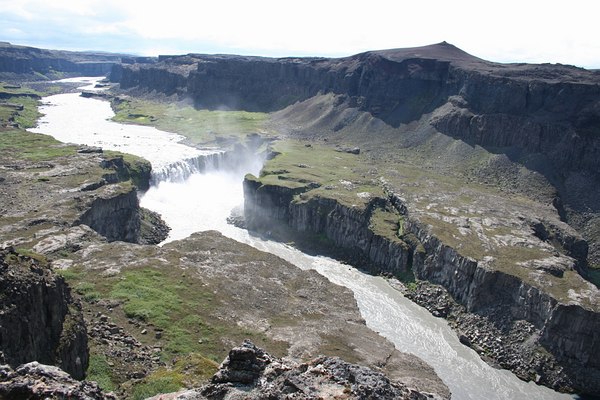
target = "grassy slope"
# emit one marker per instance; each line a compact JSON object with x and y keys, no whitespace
{"x":198,"y":126}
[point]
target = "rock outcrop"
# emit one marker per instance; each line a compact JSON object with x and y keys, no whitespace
{"x":35,"y":381}
{"x":39,"y":320}
{"x":250,"y":372}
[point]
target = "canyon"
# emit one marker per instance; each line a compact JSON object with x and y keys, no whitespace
{"x":508,"y":228}
{"x":471,"y":185}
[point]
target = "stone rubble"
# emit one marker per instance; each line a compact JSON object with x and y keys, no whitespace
{"x":500,"y":341}
{"x":250,"y":373}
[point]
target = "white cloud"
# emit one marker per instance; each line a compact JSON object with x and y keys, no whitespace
{"x":511,"y":30}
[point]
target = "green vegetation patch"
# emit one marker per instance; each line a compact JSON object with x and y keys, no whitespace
{"x":101,"y":372}
{"x":10,"y":88}
{"x":190,"y":371}
{"x":199,"y":126}
{"x":32,"y":146}
{"x":172,"y":305}
{"x":18,"y":106}
{"x":137,"y":169}
{"x":321,"y":171}
{"x":19,"y":111}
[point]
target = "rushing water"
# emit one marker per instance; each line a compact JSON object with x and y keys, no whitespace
{"x":202,"y":201}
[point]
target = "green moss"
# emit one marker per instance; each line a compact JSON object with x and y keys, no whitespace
{"x":199,"y":126}
{"x":70,"y":274}
{"x":32,"y":147}
{"x":88,"y":291}
{"x":171,"y":305}
{"x":321,"y":171}
{"x":192,"y":370}
{"x":162,"y":381}
{"x":100,"y":371}
{"x":31,"y":254}
{"x":136,"y":169}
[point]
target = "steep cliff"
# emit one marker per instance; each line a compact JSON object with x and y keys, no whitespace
{"x":549,"y":109}
{"x":516,"y":276}
{"x":542,"y":118}
{"x":39,"y":321}
{"x":24,"y":60}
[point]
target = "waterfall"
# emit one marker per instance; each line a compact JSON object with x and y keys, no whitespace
{"x":238,"y":161}
{"x":180,"y":170}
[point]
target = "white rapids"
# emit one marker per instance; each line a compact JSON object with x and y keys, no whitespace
{"x":202,"y":200}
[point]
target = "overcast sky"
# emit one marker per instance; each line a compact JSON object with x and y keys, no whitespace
{"x":505,"y":31}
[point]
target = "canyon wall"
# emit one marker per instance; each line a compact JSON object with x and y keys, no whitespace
{"x":553,"y":110}
{"x":39,"y":320}
{"x":569,"y":329}
{"x":31,"y":61}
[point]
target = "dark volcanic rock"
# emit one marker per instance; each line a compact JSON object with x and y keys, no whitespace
{"x":30,"y":60}
{"x":39,"y":320}
{"x":528,"y":112}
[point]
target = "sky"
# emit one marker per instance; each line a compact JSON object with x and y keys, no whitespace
{"x":503,"y":31}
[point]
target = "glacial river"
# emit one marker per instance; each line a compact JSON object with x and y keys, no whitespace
{"x":204,"y":200}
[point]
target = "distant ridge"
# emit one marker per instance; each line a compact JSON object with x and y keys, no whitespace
{"x":443,"y":51}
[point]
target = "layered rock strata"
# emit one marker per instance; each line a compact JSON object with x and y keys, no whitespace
{"x":39,"y":320}
{"x":23,"y":60}
{"x":544,"y":118}
{"x":566,"y":326}
{"x":548,"y":109}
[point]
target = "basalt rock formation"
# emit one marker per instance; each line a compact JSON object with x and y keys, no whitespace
{"x":547,"y":109}
{"x":542,"y":117}
{"x":39,"y":320}
{"x":565,"y":324}
{"x":35,"y":381}
{"x":22,"y":60}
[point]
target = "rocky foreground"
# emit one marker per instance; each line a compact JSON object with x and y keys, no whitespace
{"x":248,"y":372}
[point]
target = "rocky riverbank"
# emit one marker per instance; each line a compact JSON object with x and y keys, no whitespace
{"x":500,"y":340}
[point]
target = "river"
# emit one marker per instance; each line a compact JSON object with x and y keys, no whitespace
{"x":203,"y":200}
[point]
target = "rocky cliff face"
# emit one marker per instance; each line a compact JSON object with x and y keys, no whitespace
{"x":113,"y":210}
{"x":548,"y":109}
{"x":39,"y":321}
{"x":566,"y":326}
{"x":30,"y":60}
{"x":116,"y":217}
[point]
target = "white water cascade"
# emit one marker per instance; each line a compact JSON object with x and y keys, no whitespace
{"x":202,"y":198}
